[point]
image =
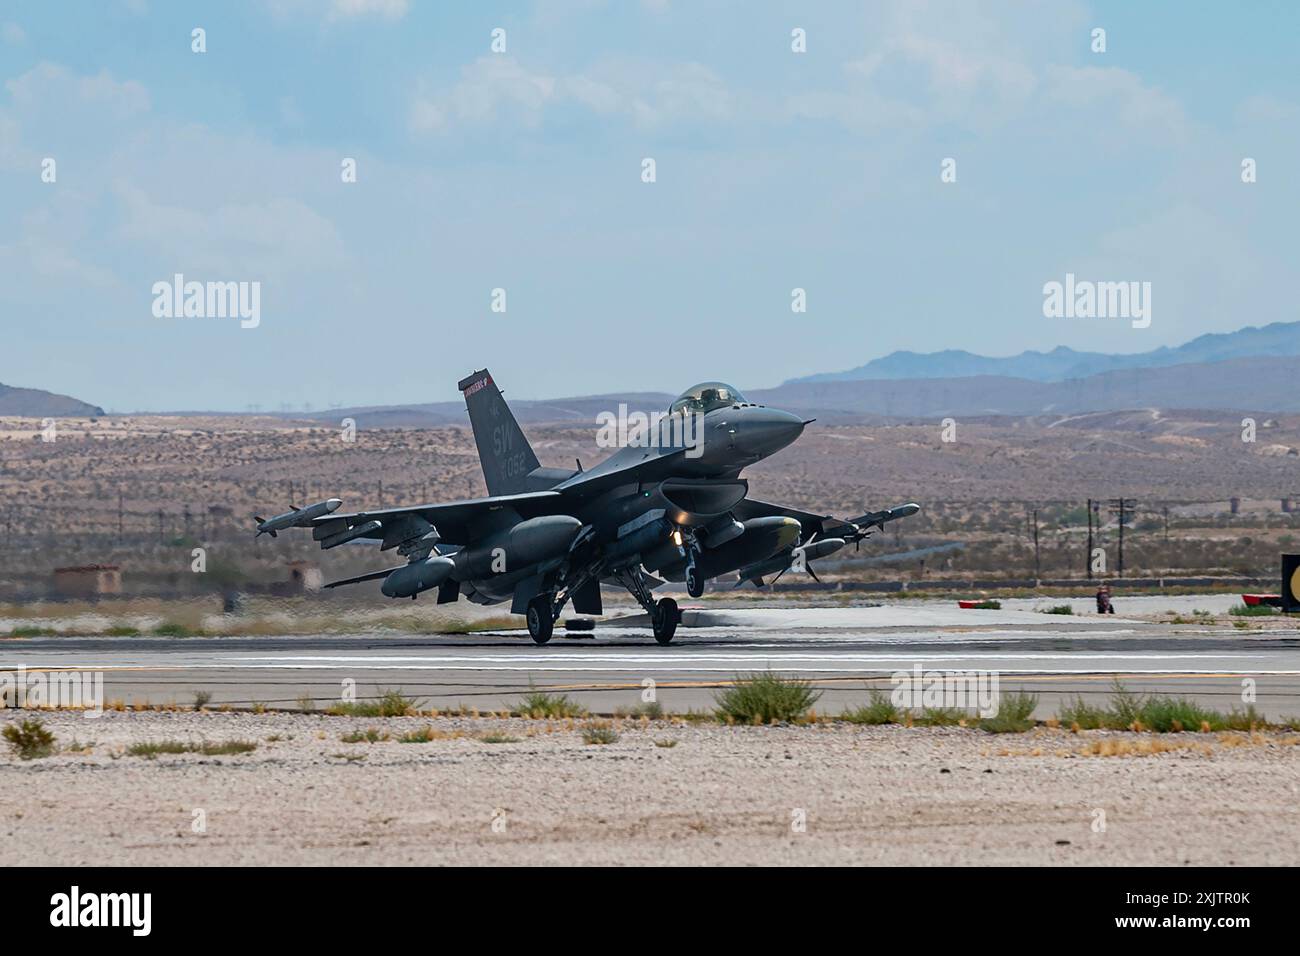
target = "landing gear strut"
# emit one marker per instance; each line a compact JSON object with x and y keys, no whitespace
{"x":694,"y":580}
{"x":541,"y":619}
{"x":545,"y":608}
{"x":664,"y":615}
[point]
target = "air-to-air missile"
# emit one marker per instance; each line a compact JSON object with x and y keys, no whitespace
{"x":879,"y":518}
{"x":297,"y":518}
{"x":780,"y":563}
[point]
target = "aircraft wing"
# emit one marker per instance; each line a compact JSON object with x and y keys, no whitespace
{"x":824,"y":526}
{"x":621,"y":469}
{"x":455,"y":520}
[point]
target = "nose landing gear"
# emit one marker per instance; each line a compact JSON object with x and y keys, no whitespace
{"x":694,"y":580}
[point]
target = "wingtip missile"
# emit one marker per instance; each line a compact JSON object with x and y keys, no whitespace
{"x":879,"y":519}
{"x":296,"y":517}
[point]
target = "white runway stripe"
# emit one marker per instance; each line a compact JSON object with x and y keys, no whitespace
{"x":1115,"y":667}
{"x":697,"y":659}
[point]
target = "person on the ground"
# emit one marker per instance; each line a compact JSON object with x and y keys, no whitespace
{"x":1103,"y":599}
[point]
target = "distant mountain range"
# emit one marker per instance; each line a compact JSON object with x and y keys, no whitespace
{"x":1062,"y":364}
{"x":1243,"y":384}
{"x":35,"y":403}
{"x":579,"y":409}
{"x":1251,"y":370}
{"x":1257,"y":385}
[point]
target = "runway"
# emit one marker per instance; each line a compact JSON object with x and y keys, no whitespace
{"x":843,"y":651}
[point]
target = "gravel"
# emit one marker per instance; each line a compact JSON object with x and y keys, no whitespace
{"x":720,"y":795}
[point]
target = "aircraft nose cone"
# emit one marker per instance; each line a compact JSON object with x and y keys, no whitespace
{"x":767,"y":430}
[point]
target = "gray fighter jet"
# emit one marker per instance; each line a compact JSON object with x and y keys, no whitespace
{"x":669,"y":505}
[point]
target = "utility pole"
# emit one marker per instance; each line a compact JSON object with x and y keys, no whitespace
{"x":1123,"y":509}
{"x":1037,"y":566}
{"x":1087,"y":558}
{"x":1166,"y":514}
{"x":119,"y":518}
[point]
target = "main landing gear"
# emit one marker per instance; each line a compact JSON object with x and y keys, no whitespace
{"x":664,"y":619}
{"x":664,"y":615}
{"x":541,"y":619}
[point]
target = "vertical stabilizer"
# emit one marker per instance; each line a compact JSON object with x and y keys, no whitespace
{"x":503,"y":451}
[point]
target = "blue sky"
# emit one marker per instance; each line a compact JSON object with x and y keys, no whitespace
{"x":522,"y":170}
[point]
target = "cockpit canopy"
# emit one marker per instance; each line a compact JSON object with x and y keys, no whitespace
{"x":705,"y":397}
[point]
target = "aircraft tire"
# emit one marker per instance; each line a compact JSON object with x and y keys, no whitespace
{"x":665,"y":620}
{"x":694,"y":583}
{"x":541,"y":622}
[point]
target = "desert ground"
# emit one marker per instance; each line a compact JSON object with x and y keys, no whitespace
{"x":513,"y":791}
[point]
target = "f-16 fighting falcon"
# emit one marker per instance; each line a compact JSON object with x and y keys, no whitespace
{"x":669,"y":505}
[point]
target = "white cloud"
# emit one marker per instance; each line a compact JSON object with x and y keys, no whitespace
{"x":52,"y":109}
{"x":13,"y":34}
{"x":43,"y":248}
{"x":387,"y":9}
{"x":1118,"y":92}
{"x":50,"y":87}
{"x":234,"y":240}
{"x":496,"y":87}
{"x":954,"y":69}
{"x":137,"y":194}
{"x":862,"y":111}
{"x":488,"y":88}
{"x":1264,"y":110}
{"x":651,"y":94}
{"x":339,"y":9}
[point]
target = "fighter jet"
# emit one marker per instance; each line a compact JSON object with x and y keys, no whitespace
{"x":668,"y":505}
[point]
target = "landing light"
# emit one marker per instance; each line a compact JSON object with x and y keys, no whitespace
{"x":677,"y":537}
